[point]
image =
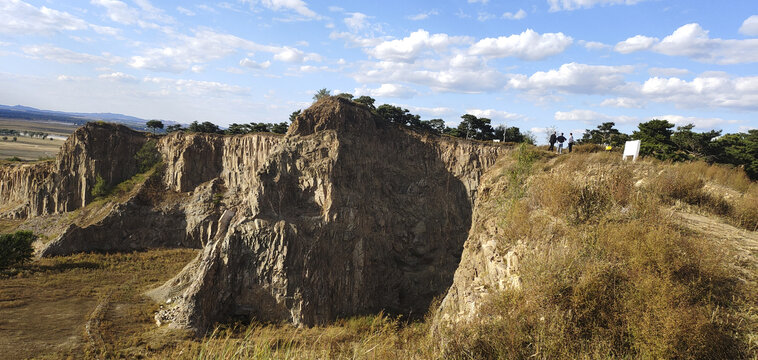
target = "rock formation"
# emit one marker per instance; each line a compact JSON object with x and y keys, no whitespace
{"x":345,"y":215}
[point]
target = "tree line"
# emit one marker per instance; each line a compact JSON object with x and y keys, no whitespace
{"x":470,"y":127}
{"x":665,"y":141}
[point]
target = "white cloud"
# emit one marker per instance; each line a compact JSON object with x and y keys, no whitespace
{"x":20,"y":18}
{"x":118,"y":76}
{"x":693,"y":41}
{"x":195,"y":87}
{"x":705,"y":90}
{"x":311,"y":68}
{"x":357,"y":21}
{"x":387,"y":90}
{"x":699,"y":122}
{"x":255,"y":65}
{"x":185,"y":11}
{"x":750,"y":26}
{"x":558,"y":5}
{"x":593,"y":45}
{"x":623,"y":102}
{"x":207,"y":45}
{"x":520,"y":14}
{"x":478,"y":1}
{"x":494,"y":114}
{"x":439,"y":111}
{"x":484,"y":16}
{"x":71,"y":78}
{"x":297,"y":6}
{"x":423,"y":15}
{"x":410,"y":47}
{"x":667,"y":72}
{"x":529,"y":45}
{"x":105,"y":30}
{"x":635,"y":43}
{"x":65,"y":56}
{"x":336,"y":9}
{"x":438,"y":75}
{"x":118,"y":11}
{"x":574,"y":78}
{"x":592,"y":117}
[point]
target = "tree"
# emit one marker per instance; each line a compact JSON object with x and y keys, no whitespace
{"x":15,"y":138}
{"x":280,"y":128}
{"x":694,"y":144}
{"x":512,"y":134}
{"x":398,"y":115}
{"x":172,"y":128}
{"x":5,"y":138}
{"x":366,"y":100}
{"x":655,"y":136}
{"x":204,"y":127}
{"x":604,"y":134}
{"x":322,"y":94}
{"x":739,"y":149}
{"x":433,"y":125}
{"x":345,"y":96}
{"x":154,"y":125}
{"x":476,"y":128}
{"x":16,"y":248}
{"x":294,"y":115}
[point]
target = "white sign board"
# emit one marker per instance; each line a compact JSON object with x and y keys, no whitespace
{"x":631,"y":148}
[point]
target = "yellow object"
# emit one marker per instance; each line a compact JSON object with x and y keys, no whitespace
{"x":608,"y":148}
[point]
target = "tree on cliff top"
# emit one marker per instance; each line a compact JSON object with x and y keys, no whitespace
{"x":322,"y":94}
{"x":153,"y":125}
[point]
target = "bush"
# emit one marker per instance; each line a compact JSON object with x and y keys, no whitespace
{"x":16,"y":248}
{"x":101,"y":188}
{"x":147,"y":156}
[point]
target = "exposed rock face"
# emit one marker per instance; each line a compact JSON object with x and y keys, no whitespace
{"x":64,"y":185}
{"x":345,"y":215}
{"x":485,"y":267}
{"x":349,"y":215}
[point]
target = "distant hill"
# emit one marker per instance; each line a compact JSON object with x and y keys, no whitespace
{"x":30,"y":113}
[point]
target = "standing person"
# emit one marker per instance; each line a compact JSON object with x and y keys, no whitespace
{"x":560,"y":139}
{"x":571,"y":141}
{"x":552,"y":142}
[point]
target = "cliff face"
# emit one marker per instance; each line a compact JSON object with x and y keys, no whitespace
{"x":345,"y":215}
{"x":349,"y":215}
{"x":65,"y":184}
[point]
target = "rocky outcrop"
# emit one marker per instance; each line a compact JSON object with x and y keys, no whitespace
{"x":65,"y":184}
{"x":349,"y":215}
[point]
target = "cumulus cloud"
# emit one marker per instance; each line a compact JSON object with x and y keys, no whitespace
{"x":693,"y":41}
{"x":518,"y":15}
{"x":387,"y":90}
{"x":558,"y":5}
{"x":118,"y":11}
{"x":635,"y":43}
{"x":593,"y":45}
{"x":667,"y":72}
{"x":529,"y":45}
{"x":495,"y":114}
{"x":20,"y":18}
{"x":410,"y":47}
{"x":438,"y":75}
{"x":705,"y":90}
{"x":750,"y":26}
{"x":699,"y":122}
{"x":254,"y":65}
{"x":623,"y":102}
{"x":65,"y":56}
{"x":591,"y":117}
{"x":206,"y":45}
{"x":573,"y":78}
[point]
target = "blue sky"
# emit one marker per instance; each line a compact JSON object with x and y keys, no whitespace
{"x":571,"y":64}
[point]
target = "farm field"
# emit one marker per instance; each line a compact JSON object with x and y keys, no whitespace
{"x":29,"y":149}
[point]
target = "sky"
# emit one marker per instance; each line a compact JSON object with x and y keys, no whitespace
{"x":534,"y":64}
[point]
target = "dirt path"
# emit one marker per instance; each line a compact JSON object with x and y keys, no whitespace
{"x":744,"y":243}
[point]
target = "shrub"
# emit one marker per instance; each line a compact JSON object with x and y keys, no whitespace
{"x":147,"y":156}
{"x":101,"y":188}
{"x":16,"y":248}
{"x":587,"y":148}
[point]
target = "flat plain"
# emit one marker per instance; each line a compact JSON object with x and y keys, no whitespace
{"x":28,"y":148}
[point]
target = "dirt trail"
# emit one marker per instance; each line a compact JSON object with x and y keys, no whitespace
{"x":743,"y":242}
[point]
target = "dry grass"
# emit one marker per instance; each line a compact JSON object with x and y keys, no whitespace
{"x":28,"y":149}
{"x":608,"y":272}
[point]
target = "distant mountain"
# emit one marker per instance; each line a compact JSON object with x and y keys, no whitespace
{"x":30,"y":113}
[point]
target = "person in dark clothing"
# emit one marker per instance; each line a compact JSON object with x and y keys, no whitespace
{"x":560,"y":139}
{"x":571,"y":141}
{"x":552,"y":142}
